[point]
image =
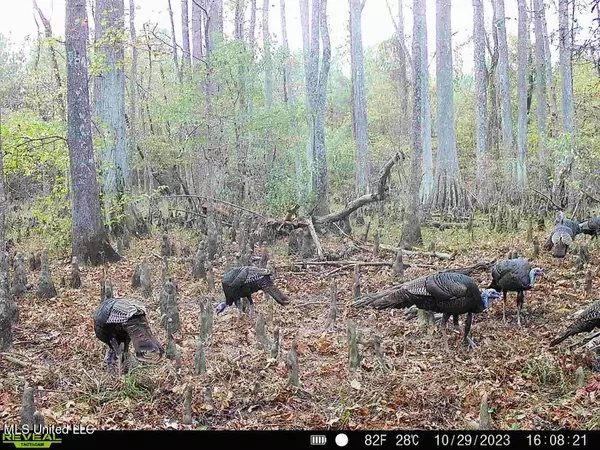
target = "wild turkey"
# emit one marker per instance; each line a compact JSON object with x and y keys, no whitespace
{"x":591,"y":227}
{"x":584,"y":322}
{"x":122,"y":320}
{"x":560,"y":240}
{"x":246,"y":280}
{"x":448,"y":293}
{"x":514,"y":275}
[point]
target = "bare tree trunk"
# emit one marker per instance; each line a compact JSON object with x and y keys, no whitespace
{"x":310,"y":157}
{"x":427,"y":184}
{"x":215,"y":24}
{"x":359,"y":98}
{"x":268,"y":60}
{"x":3,"y":209}
{"x":60,"y":100}
{"x":89,"y":240}
{"x":522,"y":77}
{"x":448,"y":191}
{"x":197,"y":33}
{"x":504,"y":91}
{"x":480,"y":99}
{"x":565,"y":54}
{"x":411,"y":231}
{"x":185,"y":37}
{"x":551,"y":85}
{"x":109,"y":103}
{"x":132,"y":84}
{"x":541,"y":94}
{"x":289,"y":98}
{"x":174,"y":44}
{"x":317,"y":95}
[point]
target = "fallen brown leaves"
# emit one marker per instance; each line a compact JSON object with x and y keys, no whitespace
{"x":528,"y":384}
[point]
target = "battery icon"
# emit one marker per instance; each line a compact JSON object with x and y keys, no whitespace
{"x":318,"y":439}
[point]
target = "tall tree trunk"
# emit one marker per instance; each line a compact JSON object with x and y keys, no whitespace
{"x":215,"y":24}
{"x":565,"y":54}
{"x":109,"y":102}
{"x":427,"y":184}
{"x":51,"y":45}
{"x":197,"y":33}
{"x":359,"y":98}
{"x":411,"y":230}
{"x":3,"y":208}
{"x":185,"y":37}
{"x":541,"y":94}
{"x":553,"y":129}
{"x":522,"y":77}
{"x":306,"y":49}
{"x":480,"y":100}
{"x":507,"y":139}
{"x":317,"y":78}
{"x":176,"y":67}
{"x":89,"y":239}
{"x":448,"y":193}
{"x":404,"y":99}
{"x":289,"y":98}
{"x":132,"y":82}
{"x":267,"y":61}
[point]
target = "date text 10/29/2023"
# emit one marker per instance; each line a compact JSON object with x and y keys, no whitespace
{"x":478,"y":439}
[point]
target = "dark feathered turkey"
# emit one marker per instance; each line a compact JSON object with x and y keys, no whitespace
{"x":583,"y":323}
{"x":448,"y":293}
{"x":560,"y":240}
{"x":246,"y":280}
{"x":514,"y":275}
{"x":122,"y":320}
{"x":591,"y":227}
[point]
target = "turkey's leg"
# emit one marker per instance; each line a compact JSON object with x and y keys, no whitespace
{"x":251,"y":304}
{"x":125,"y":356}
{"x":520,"y":300}
{"x":444,"y":335}
{"x":504,"y":307}
{"x":456,"y":323}
{"x":467,"y":339}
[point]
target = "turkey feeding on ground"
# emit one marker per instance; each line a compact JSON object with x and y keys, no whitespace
{"x":591,"y":227}
{"x":448,"y":293}
{"x":246,"y":280}
{"x":123,"y":321}
{"x":514,"y":275}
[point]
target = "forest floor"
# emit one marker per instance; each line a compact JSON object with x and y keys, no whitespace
{"x":528,"y":384}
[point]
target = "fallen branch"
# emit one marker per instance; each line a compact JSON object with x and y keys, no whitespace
{"x":342,"y":265}
{"x":315,"y":238}
{"x":474,"y":268}
{"x":18,"y":362}
{"x":416,"y":253}
{"x":443,"y":225}
{"x":224,"y":202}
{"x":552,"y":202}
{"x":365,"y":199}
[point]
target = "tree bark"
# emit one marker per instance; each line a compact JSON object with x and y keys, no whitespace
{"x":132,"y":82}
{"x":541,"y":94}
{"x":268,"y":60}
{"x":480,"y":99}
{"x":565,"y":54}
{"x":185,"y":37}
{"x":447,"y":191}
{"x":109,"y":103}
{"x":553,"y":128}
{"x":89,"y":239}
{"x":522,"y":77}
{"x":411,"y":230}
{"x":427,"y":184}
{"x":359,"y":98}
{"x":306,"y":44}
{"x":197,"y":33}
{"x":507,"y":138}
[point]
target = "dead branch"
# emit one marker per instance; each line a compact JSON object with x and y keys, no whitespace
{"x":315,"y":238}
{"x":416,"y":253}
{"x":365,"y":199}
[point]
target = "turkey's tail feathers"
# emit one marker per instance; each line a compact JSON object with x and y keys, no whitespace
{"x":395,"y":297}
{"x":147,"y":347}
{"x":570,"y":332}
{"x":276,"y":294}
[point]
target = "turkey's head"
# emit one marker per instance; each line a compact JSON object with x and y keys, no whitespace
{"x":488,"y":296}
{"x":221,"y":307}
{"x":534,"y":273}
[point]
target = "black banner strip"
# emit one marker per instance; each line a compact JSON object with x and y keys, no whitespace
{"x":318,"y":439}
